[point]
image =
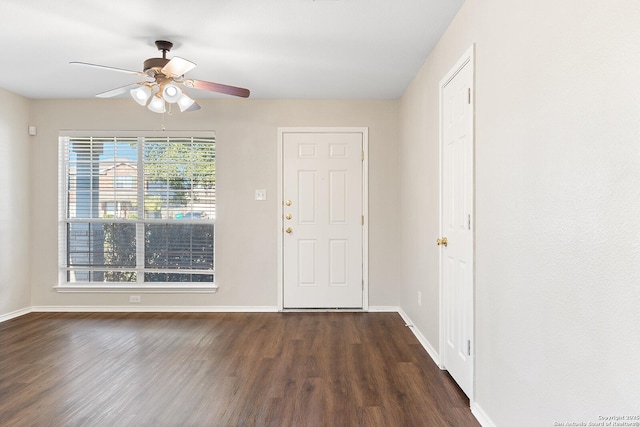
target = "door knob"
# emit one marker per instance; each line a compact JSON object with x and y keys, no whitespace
{"x":288,"y":230}
{"x":288,"y":203}
{"x":288,"y":216}
{"x":442,"y":242}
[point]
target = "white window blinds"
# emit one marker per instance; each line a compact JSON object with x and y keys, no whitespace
{"x":137,"y":210}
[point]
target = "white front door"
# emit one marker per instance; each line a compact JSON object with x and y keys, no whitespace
{"x":322,"y":219}
{"x":457,"y":223}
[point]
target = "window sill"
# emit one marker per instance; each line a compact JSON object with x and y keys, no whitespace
{"x":190,"y":289}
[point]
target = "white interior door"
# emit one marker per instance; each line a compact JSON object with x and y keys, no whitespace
{"x":457,"y":224}
{"x":322,"y":219}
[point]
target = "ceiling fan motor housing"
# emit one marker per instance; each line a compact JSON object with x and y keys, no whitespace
{"x":155,"y":65}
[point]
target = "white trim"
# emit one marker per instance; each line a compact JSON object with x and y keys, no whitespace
{"x":65,"y":137}
{"x":74,"y":133}
{"x":423,"y":340}
{"x":14,"y":314}
{"x":365,"y":213}
{"x":481,"y":416}
{"x":154,"y":309}
{"x":137,"y":289}
{"x":384,"y":309}
{"x":407,"y":320}
{"x":467,"y":58}
{"x":62,"y":213}
{"x":280,"y":242}
{"x":322,"y":310}
{"x":365,"y":204}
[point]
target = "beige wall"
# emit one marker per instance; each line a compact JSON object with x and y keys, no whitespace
{"x":557,"y":202}
{"x":246,"y":230}
{"x":14,"y":193}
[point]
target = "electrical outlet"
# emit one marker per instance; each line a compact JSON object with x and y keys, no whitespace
{"x":134,"y":298}
{"x":261,"y":195}
{"x":419,"y":298}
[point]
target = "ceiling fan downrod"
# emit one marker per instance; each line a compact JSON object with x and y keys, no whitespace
{"x":152,"y":66}
{"x":164,"y":46}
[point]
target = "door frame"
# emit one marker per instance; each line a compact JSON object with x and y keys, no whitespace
{"x":468,"y":58}
{"x":365,"y":204}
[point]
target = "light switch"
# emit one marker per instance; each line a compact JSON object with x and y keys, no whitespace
{"x":261,"y":194}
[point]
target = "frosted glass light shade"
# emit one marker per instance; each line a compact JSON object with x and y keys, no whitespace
{"x":171,"y":93}
{"x":185,"y":102}
{"x":141,"y":94}
{"x":157,"y":105}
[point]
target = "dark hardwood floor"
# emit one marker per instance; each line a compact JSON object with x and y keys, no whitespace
{"x":221,"y":369}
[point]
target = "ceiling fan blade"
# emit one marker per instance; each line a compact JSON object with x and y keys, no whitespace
{"x":104,"y":67}
{"x":217,"y":87}
{"x":117,"y":91}
{"x":177,"y":67}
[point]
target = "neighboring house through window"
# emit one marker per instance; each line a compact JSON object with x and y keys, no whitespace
{"x":137,"y":210}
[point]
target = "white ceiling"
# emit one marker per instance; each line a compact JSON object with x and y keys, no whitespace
{"x":276,"y":48}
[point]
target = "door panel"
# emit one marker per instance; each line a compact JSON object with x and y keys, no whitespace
{"x":306,"y":205}
{"x":338,"y":204}
{"x":323,"y":252}
{"x":338,"y":263}
{"x":307,"y":257}
{"x":457,"y":213}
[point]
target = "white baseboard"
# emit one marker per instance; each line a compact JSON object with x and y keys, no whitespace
{"x":384,"y":308}
{"x":423,"y":340}
{"x":14,"y":314}
{"x":481,"y":416}
{"x":154,"y":309}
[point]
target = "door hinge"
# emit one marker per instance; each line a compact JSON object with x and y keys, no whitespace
{"x":468,"y":347}
{"x":469,"y":222}
{"x":362,"y":283}
{"x":469,"y":95}
{"x":362,"y":156}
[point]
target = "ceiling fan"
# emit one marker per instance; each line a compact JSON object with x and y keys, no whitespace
{"x":162,"y":77}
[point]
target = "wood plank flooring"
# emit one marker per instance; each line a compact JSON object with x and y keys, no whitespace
{"x":221,"y":369}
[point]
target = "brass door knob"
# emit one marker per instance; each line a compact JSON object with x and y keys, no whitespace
{"x":288,"y":230}
{"x":288,"y":216}
{"x":442,"y":242}
{"x":288,"y":203}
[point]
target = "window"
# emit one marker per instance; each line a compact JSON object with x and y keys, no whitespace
{"x":124,"y":181}
{"x":137,"y":210}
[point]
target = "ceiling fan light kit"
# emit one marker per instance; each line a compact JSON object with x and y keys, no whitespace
{"x":171,"y":93}
{"x":141,"y":94}
{"x":163,"y":75}
{"x":157,"y":105}
{"x":187,"y":104}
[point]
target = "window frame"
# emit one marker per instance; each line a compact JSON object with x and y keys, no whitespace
{"x":139,"y":287}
